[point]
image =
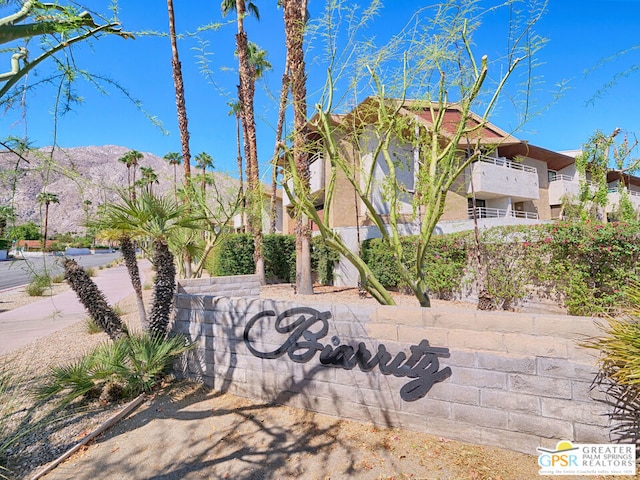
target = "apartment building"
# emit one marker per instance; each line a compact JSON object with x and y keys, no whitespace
{"x":512,"y":182}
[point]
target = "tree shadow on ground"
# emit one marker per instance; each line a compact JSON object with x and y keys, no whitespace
{"x":215,"y":435}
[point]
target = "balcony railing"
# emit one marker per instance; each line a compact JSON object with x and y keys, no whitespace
{"x":503,"y":162}
{"x":630,"y":192}
{"x":567,"y":178}
{"x":483,"y":212}
{"x":561,"y":176}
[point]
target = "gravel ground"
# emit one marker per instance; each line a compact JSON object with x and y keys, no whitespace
{"x":48,"y":432}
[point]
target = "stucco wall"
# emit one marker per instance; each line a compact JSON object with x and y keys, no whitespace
{"x":517,"y":381}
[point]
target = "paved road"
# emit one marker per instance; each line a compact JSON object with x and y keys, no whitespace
{"x":20,"y":272}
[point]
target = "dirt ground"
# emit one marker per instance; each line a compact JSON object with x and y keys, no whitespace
{"x":189,"y":432}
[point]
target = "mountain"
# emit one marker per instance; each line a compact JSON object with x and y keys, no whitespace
{"x":76,"y":175}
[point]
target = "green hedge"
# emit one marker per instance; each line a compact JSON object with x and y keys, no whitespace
{"x":323,"y":260}
{"x":5,"y":244}
{"x":584,"y":267}
{"x":444,"y":267}
{"x":234,"y":256}
{"x":279,"y":257}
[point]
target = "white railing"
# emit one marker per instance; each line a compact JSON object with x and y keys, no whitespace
{"x":503,"y":162}
{"x":561,"y":176}
{"x":484,"y":212}
{"x":630,"y":192}
{"x":313,"y":158}
{"x":568,"y":178}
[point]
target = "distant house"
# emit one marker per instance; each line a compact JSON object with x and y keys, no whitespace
{"x":512,"y":182}
{"x":30,"y":245}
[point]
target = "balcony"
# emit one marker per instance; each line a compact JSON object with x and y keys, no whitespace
{"x":564,"y":186}
{"x":484,"y":212}
{"x":316,"y":178}
{"x":499,"y":177}
{"x":613,"y":199}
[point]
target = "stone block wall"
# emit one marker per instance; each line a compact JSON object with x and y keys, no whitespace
{"x":518,"y":381}
{"x":231,"y":286}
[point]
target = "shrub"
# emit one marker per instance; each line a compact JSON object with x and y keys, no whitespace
{"x":444,"y":265}
{"x":55,"y":247}
{"x":619,"y":369}
{"x":129,"y":366}
{"x":506,"y":266}
{"x":589,"y":264}
{"x":38,"y":285}
{"x":5,"y":244}
{"x":12,"y":391}
{"x":323,"y":260}
{"x":57,"y":278}
{"x":279,"y":257}
{"x":382,"y":262}
{"x":91,"y":326}
{"x":234,"y":256}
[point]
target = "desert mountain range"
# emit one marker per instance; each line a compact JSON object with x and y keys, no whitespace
{"x":75,"y":175}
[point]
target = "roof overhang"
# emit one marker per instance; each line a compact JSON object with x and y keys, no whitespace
{"x":554,"y":160}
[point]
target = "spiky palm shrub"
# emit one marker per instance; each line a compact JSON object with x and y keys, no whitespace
{"x":163,"y":289}
{"x":129,"y":254}
{"x":133,"y":364}
{"x":619,"y":370}
{"x":157,"y":218}
{"x":93,"y":300}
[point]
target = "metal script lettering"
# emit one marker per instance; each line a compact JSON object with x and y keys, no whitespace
{"x":305,"y":326}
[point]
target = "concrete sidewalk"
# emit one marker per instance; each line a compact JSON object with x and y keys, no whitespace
{"x":23,"y":325}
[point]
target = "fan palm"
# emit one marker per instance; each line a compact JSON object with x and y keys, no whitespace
{"x":175,"y":159}
{"x":157,"y":218}
{"x":204,"y":161}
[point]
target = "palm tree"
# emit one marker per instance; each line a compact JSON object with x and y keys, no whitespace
{"x":246,"y":90}
{"x":124,"y":159}
{"x":93,"y":300}
{"x":204,"y":161}
{"x":236,"y":111}
{"x":131,"y":160}
{"x":111,"y":227}
{"x":178,"y":83}
{"x":149,"y":177}
{"x":47,"y":199}
{"x":154,"y":217}
{"x":294,"y":21}
{"x":175,"y":159}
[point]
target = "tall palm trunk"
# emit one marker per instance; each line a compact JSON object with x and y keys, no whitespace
{"x":179,"y":88}
{"x":129,"y":255}
{"x":247,"y":91}
{"x":182,"y":112}
{"x":243,"y":200}
{"x":284,"y":93}
{"x":294,"y":17}
{"x":163,"y":290}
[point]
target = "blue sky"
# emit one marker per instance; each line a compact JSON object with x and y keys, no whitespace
{"x":581,"y":34}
